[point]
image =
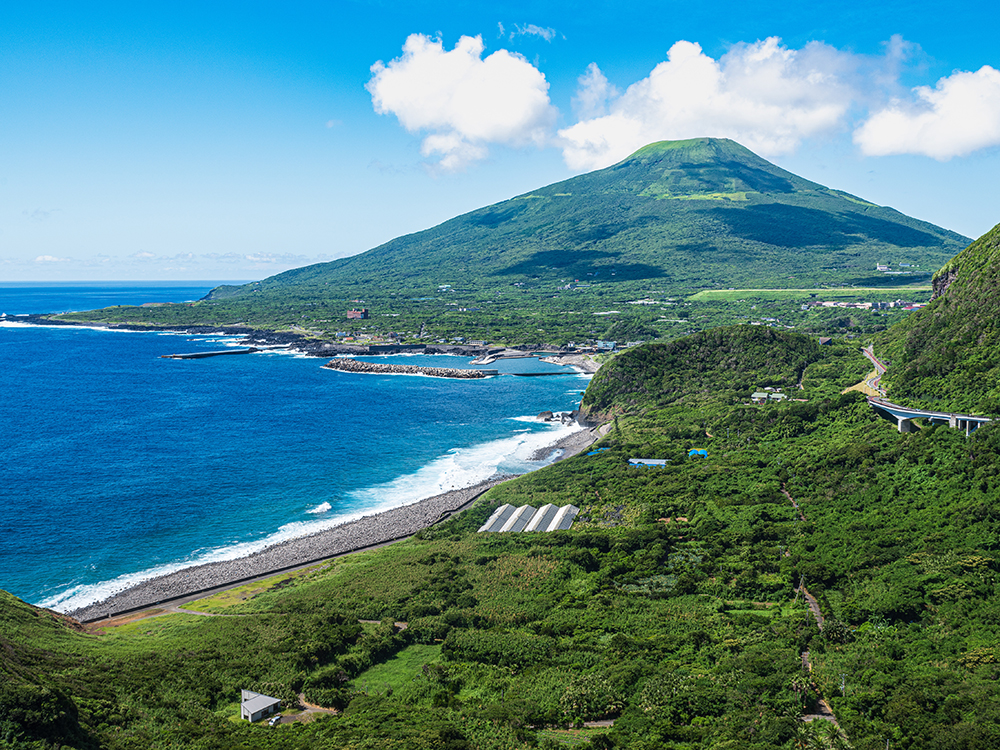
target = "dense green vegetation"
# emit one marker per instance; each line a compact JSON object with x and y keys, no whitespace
{"x":948,"y":354}
{"x":674,"y":218}
{"x":518,"y":318}
{"x":671,"y":607}
{"x":675,"y":606}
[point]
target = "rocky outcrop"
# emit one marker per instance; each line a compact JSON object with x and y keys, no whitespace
{"x":942,"y":280}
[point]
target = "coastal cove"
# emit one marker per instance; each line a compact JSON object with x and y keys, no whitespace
{"x":123,"y":466}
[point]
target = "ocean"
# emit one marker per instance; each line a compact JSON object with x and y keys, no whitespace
{"x":116,"y":465}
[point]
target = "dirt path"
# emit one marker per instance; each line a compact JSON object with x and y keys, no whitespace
{"x":813,"y":606}
{"x":399,"y":625}
{"x":824,"y":712}
{"x":794,"y":504}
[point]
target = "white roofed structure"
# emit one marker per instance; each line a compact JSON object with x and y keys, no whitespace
{"x":525,"y":518}
{"x":564,"y":518}
{"x":542,"y":518}
{"x":498,"y":519}
{"x":255,"y":706}
{"x":519,"y":519}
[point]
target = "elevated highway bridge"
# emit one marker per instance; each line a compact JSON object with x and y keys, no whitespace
{"x":903,"y":416}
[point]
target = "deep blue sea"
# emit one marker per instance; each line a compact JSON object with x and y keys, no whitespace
{"x":116,"y":464}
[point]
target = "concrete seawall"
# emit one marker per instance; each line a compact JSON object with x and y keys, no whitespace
{"x":204,"y":355}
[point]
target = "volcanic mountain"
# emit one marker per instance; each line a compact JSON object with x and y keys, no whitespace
{"x":688,"y":214}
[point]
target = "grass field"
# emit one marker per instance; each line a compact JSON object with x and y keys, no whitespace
{"x":713,"y":295}
{"x":400,"y":669}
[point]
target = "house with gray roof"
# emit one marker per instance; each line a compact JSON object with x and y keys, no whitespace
{"x":256,"y":706}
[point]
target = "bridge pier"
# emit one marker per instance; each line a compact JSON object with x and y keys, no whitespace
{"x":956,"y":422}
{"x":904,"y":425}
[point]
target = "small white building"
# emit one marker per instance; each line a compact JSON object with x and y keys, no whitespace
{"x":660,"y":462}
{"x":256,"y":706}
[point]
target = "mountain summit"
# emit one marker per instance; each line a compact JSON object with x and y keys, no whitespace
{"x":690,"y":214}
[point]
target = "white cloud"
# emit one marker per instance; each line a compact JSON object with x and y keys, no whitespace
{"x":465,"y":102}
{"x":592,"y":94}
{"x":51,"y":259}
{"x":532,"y":30}
{"x":40,"y":214}
{"x":764,"y":95}
{"x":958,"y":116}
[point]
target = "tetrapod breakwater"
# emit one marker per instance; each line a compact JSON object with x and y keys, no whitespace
{"x":381,"y":368}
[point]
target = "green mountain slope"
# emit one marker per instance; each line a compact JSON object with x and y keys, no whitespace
{"x":688,"y":214}
{"x":674,"y":218}
{"x":948,"y":354}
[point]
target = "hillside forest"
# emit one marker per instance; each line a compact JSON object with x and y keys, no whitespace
{"x":673,"y":615}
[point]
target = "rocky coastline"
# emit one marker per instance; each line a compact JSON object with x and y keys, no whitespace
{"x":315,"y":347}
{"x":383,"y":368}
{"x":297,"y":342}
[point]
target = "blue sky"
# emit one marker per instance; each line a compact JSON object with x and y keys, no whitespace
{"x":232,"y":141}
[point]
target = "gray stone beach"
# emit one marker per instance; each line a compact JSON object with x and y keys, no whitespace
{"x":352,"y":536}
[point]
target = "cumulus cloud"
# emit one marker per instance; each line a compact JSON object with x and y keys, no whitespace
{"x":464,"y":102}
{"x":958,"y":116}
{"x":592,"y":94}
{"x":764,"y":95}
{"x":51,"y":259}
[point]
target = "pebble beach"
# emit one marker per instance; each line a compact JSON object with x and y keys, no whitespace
{"x":352,"y":536}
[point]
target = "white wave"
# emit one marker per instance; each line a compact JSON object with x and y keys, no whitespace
{"x":464,"y":467}
{"x":460,"y":467}
{"x":284,"y":351}
{"x":533,"y":420}
{"x":321,"y":508}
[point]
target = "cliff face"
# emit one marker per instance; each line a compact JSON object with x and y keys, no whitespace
{"x":947,"y":355}
{"x":942,"y":280}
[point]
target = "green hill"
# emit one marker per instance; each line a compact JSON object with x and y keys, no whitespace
{"x":720,"y":364}
{"x":948,"y":354}
{"x":688,"y":214}
{"x":674,"y":218}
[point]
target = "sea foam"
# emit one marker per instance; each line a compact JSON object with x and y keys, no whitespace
{"x":460,"y":467}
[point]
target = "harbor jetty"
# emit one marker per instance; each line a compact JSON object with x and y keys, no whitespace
{"x":381,"y":368}
{"x":203,"y":355}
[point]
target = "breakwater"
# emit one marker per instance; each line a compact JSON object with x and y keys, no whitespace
{"x":381,"y":368}
{"x":203,"y":355}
